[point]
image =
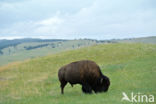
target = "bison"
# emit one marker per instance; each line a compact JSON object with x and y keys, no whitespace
{"x":84,"y":72}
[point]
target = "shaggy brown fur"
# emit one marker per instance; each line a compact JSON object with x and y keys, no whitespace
{"x":84,"y":72}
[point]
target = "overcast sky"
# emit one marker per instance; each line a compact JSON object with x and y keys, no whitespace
{"x":70,"y":19}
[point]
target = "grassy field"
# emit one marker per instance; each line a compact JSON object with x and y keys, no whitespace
{"x":130,"y":67}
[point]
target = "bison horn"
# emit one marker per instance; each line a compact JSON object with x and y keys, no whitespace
{"x":101,"y":80}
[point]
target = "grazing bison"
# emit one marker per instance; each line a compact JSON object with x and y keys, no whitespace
{"x":84,"y":72}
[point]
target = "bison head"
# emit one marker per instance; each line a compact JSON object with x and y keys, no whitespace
{"x":103,"y":84}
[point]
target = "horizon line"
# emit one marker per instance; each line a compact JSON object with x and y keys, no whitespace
{"x":40,"y":37}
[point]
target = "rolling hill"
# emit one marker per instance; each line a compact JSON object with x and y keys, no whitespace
{"x":130,"y":67}
{"x":28,"y":48}
{"x":149,"y":40}
{"x":22,"y":49}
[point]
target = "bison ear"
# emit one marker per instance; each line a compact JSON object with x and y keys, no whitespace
{"x":101,"y":80}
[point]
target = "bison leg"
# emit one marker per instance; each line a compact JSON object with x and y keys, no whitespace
{"x":63,"y":83}
{"x":71,"y":84}
{"x":86,"y":88}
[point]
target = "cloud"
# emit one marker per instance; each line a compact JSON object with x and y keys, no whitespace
{"x":48,"y":26}
{"x":100,"y":19}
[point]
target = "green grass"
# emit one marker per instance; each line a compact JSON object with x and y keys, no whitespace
{"x":130,"y":67}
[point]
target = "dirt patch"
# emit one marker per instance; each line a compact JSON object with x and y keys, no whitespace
{"x":3,"y":79}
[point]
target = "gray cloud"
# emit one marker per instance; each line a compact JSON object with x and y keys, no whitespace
{"x":100,"y":19}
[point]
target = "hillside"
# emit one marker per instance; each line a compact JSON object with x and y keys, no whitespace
{"x":21,"y":49}
{"x":149,"y":40}
{"x":130,"y":67}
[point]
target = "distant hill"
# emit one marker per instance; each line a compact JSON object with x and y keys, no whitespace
{"x":150,"y":40}
{"x":6,"y":43}
{"x":21,"y":49}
